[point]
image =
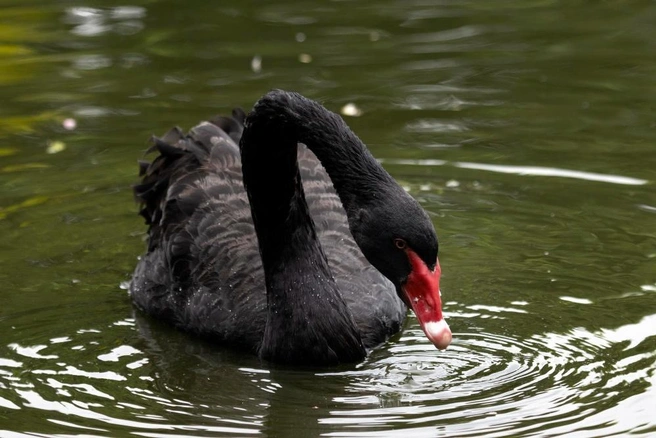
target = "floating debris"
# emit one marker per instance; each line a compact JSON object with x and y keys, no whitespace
{"x":305,"y":58}
{"x":55,"y":147}
{"x":350,"y":109}
{"x":452,"y":183}
{"x":69,"y":124}
{"x":256,"y":64}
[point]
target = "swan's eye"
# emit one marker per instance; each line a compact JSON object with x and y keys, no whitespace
{"x":400,"y":243}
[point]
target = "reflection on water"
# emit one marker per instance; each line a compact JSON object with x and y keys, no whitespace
{"x":524,"y":128}
{"x":527,"y":170}
{"x":557,"y":382}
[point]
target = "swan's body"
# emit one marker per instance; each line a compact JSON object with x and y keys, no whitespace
{"x":316,"y":299}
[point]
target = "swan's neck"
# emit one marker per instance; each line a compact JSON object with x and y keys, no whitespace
{"x":286,"y":118}
{"x":307,"y":320}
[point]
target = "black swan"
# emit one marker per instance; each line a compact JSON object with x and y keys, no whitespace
{"x":295,"y":245}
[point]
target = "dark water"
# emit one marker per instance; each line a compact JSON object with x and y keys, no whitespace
{"x":526,"y":128}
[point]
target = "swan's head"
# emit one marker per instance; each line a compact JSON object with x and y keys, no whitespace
{"x":398,"y":239}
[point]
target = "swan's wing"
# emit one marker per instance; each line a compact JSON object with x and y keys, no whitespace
{"x":372,"y":299}
{"x":202,"y":271}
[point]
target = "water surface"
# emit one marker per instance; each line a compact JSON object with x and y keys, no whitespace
{"x":525,"y":128}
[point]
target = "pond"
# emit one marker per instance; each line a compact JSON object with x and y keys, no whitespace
{"x":527,"y":130}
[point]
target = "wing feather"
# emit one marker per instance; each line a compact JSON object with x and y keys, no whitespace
{"x":203,"y":271}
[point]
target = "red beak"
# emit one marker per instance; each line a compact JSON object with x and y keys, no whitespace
{"x":422,"y":292}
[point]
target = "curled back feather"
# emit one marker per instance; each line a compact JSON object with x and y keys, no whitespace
{"x":180,"y":154}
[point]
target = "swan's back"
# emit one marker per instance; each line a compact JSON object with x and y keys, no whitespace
{"x":203,"y":271}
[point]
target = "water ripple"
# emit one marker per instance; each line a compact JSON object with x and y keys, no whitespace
{"x":516,"y":170}
{"x":490,"y":383}
{"x":494,"y":383}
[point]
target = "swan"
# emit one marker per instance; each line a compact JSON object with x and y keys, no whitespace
{"x":280,"y":234}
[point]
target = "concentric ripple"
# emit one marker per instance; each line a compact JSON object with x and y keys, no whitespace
{"x":135,"y":376}
{"x":499,"y":386}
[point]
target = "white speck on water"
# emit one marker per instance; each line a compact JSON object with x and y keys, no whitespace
{"x":55,"y":147}
{"x":63,"y":392}
{"x":576,"y":300}
{"x":69,"y":124}
{"x":305,"y":58}
{"x":4,"y":403}
{"x":350,"y":109}
{"x":137,"y":364}
{"x":496,"y":309}
{"x":300,"y":37}
{"x":256,"y":64}
{"x":10,"y":363}
{"x":127,"y":322}
{"x":452,"y":183}
{"x":117,"y":353}
{"x":73,"y":371}
{"x":32,"y":351}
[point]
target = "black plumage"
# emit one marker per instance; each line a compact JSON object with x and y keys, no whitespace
{"x":317,"y":299}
